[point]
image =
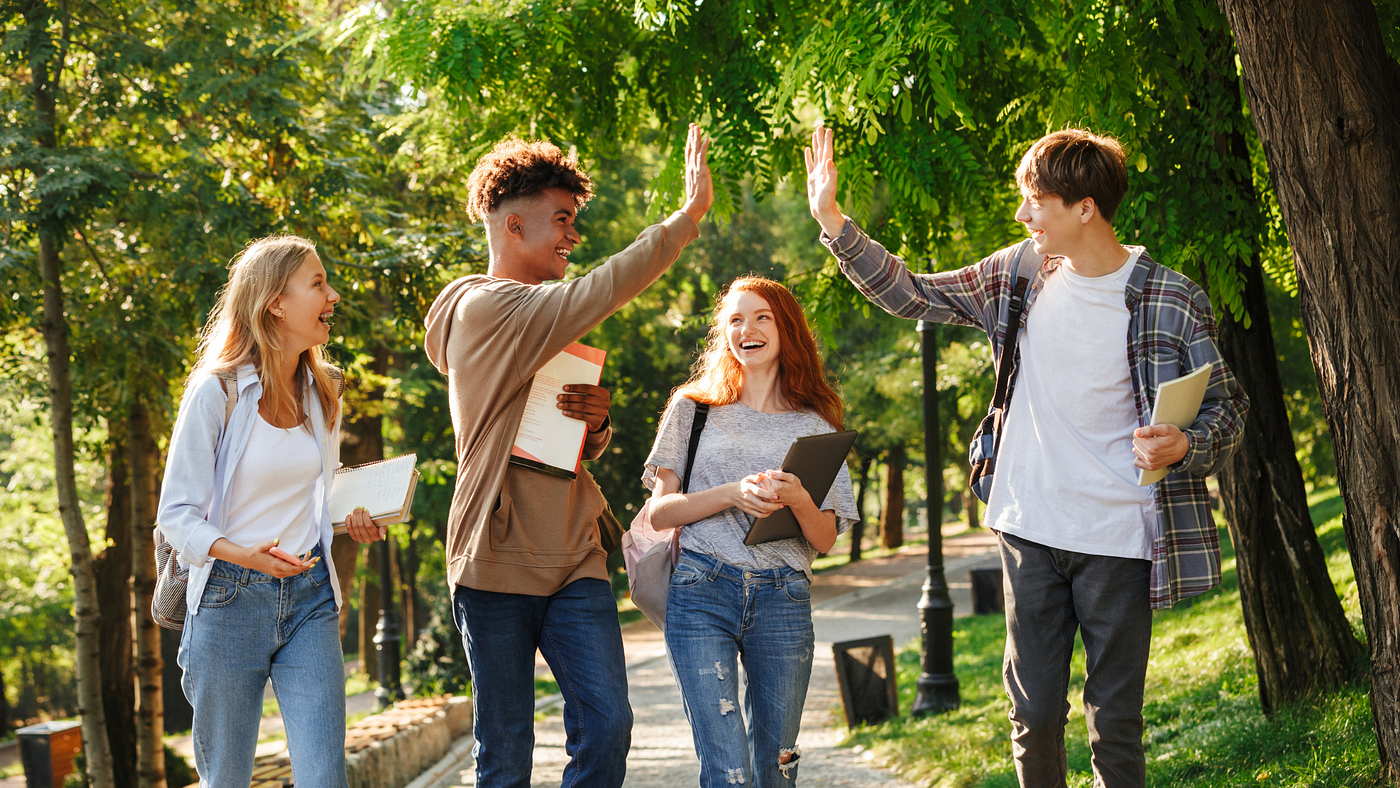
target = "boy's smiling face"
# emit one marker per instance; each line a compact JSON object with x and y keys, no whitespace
{"x":538,"y":235}
{"x":1055,"y":227}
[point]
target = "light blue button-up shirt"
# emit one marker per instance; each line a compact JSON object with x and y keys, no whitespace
{"x":199,"y":467}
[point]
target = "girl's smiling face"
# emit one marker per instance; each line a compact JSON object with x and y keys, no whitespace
{"x":305,"y":307}
{"x":751,"y":329}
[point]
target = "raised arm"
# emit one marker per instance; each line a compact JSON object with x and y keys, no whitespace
{"x":961,"y":296}
{"x":571,"y":309}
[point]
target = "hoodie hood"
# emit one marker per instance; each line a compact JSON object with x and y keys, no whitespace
{"x":439,"y":320}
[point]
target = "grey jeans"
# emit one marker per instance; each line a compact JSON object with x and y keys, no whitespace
{"x":1049,"y":594}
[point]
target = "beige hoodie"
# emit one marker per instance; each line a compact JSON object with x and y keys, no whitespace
{"x":513,"y":530}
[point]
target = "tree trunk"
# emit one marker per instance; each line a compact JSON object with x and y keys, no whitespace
{"x":150,"y":708}
{"x":112,"y":570}
{"x":345,"y":554}
{"x":892,"y":513}
{"x":413,"y":611}
{"x":1297,"y":629}
{"x":1321,"y":89}
{"x":970,"y":503}
{"x":361,"y":441}
{"x":858,"y":529}
{"x":4,"y":708}
{"x":369,"y":608}
{"x":86,"y":611}
{"x":45,"y":66}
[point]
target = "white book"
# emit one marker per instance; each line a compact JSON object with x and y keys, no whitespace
{"x":548,"y":441}
{"x":1178,"y":402}
{"x":385,"y":488}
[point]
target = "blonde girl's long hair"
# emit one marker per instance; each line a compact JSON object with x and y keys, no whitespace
{"x":717,"y":378}
{"x":242,"y":328}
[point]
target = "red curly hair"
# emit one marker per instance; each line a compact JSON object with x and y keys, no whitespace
{"x":718,"y":379}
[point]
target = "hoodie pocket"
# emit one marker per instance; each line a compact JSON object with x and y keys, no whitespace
{"x":553,"y":521}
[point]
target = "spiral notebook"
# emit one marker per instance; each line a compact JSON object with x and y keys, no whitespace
{"x":384,"y":487}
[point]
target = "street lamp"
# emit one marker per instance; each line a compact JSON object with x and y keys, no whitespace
{"x":937,"y":684}
{"x":386,"y":637}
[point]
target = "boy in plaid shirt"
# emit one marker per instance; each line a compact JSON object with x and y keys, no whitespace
{"x":1083,"y":546}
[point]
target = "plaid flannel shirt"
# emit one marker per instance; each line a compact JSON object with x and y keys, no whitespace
{"x":1171,"y":332}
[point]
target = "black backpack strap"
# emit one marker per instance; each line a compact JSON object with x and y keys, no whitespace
{"x":1013,"y":327}
{"x":697,"y":425}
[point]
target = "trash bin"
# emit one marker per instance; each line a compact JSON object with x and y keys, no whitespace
{"x":46,"y":751}
{"x":986,"y":591}
{"x":866,"y":671}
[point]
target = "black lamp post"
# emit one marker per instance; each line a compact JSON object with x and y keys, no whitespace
{"x":937,"y":684}
{"x":386,"y":637}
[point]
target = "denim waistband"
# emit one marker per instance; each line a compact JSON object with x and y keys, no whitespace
{"x":713,"y":567}
{"x":244,"y":575}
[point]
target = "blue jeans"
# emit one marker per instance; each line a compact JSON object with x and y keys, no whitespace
{"x":576,"y":629}
{"x":717,"y":614}
{"x":252,"y":626}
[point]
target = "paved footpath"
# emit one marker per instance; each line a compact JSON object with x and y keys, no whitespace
{"x":867,"y":599}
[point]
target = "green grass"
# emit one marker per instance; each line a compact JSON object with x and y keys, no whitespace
{"x":544,"y":687}
{"x":1204,"y":724}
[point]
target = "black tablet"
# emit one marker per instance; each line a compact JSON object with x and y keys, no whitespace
{"x":816,"y":460}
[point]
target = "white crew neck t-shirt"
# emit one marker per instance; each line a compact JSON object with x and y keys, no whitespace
{"x":1065,"y":476}
{"x":272,"y":494}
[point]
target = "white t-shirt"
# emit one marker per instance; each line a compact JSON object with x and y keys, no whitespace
{"x":1065,"y":476}
{"x":272,"y":494}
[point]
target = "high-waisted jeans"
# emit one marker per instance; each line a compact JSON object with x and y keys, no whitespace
{"x":252,"y":626}
{"x":717,"y":614}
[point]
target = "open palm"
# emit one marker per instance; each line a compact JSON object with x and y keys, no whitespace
{"x":821,"y":182}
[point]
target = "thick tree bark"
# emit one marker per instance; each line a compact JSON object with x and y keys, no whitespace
{"x":45,"y":65}
{"x":112,"y":568}
{"x":1297,"y":629}
{"x":1322,"y":91}
{"x":858,"y":529}
{"x":150,"y":707}
{"x":892,"y":513}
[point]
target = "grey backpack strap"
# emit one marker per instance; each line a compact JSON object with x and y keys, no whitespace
{"x":1015,"y":308}
{"x":230,"y":384}
{"x":339,"y":378}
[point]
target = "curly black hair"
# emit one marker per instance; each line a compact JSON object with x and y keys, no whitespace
{"x":521,"y":168}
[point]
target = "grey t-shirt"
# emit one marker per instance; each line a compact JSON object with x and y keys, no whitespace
{"x":739,"y":441}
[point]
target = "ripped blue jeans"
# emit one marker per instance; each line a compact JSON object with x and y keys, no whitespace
{"x":716,"y":615}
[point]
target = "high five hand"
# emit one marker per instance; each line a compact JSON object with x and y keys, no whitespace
{"x":821,"y":183}
{"x":699,"y":189}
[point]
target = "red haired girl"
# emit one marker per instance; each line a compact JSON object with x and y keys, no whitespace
{"x":763,"y":379}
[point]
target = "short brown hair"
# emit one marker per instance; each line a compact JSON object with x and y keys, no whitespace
{"x":523,"y":168}
{"x":1074,"y":164}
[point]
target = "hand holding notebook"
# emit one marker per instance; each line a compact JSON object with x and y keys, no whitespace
{"x":385,"y":488}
